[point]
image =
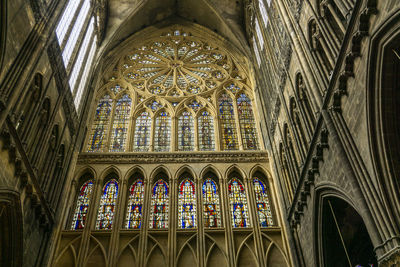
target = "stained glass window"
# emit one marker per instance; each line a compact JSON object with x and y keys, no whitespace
{"x":135,"y":205}
{"x":159,"y":205}
{"x":211,"y":209}
{"x":187,"y":205}
{"x":120,"y":124}
{"x":99,"y":131}
{"x":247,"y":123}
{"x":185,"y":132}
{"x":105,"y":215}
{"x":228,"y":124}
{"x":82,"y":206}
{"x":238,"y":204}
{"x":263,"y":206}
{"x":141,"y":140}
{"x":206,"y":131}
{"x":162,"y":133}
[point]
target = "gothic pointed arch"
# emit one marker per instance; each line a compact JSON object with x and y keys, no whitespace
{"x":11,"y":229}
{"x":383,"y":112}
{"x":343,"y":238}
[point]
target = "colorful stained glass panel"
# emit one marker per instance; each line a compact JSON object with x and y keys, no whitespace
{"x":211,"y":208}
{"x":98,"y":135}
{"x":135,"y":205}
{"x":141,"y":140}
{"x":247,"y":123}
{"x":120,"y":124}
{"x":238,"y":204}
{"x":162,"y":134}
{"x":82,"y":206}
{"x":185,"y":132}
{"x":205,"y":125}
{"x":263,"y":206}
{"x":159,"y":205}
{"x":186,"y":205}
{"x":105,"y":215}
{"x":228,"y":124}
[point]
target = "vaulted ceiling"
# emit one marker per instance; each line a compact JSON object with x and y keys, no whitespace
{"x":126,"y":17}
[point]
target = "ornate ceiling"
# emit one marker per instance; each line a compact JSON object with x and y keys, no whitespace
{"x":126,"y":17}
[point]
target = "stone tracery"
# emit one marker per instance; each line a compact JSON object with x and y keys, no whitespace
{"x":173,"y":78}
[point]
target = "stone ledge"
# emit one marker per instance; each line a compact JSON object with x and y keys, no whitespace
{"x":173,"y":157}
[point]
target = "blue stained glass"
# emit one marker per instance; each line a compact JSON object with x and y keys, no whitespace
{"x":82,"y":206}
{"x":238,"y":204}
{"x":211,"y":208}
{"x":195,"y":105}
{"x":135,"y":205}
{"x":108,"y":202}
{"x":99,"y":131}
{"x":187,"y":205}
{"x":228,"y":124}
{"x":263,"y":206}
{"x":159,"y":205}
{"x":154,"y":105}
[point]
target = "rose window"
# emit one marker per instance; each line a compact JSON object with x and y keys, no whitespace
{"x":177,"y":65}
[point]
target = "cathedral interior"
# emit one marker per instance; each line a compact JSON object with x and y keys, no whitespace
{"x":200,"y":133}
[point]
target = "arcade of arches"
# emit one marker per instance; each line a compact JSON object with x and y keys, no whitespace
{"x":200,"y":133}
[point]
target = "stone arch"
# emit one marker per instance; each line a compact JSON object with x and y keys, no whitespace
{"x":235,"y":169}
{"x":210,"y":169}
{"x":82,"y":171}
{"x":186,"y":169}
{"x":383,"y":111}
{"x":317,"y":44}
{"x":298,"y":124}
{"x":11,"y":231}
{"x":106,"y":174}
{"x":132,"y":171}
{"x":340,"y":231}
{"x":304,"y":101}
{"x":335,"y":20}
{"x":160,"y":170}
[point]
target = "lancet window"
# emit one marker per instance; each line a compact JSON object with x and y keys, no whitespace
{"x":141,"y":141}
{"x":120,"y":124}
{"x":100,"y":126}
{"x":162,"y":135}
{"x":211,"y":207}
{"x":135,"y":205}
{"x":108,"y":201}
{"x":247,"y":123}
{"x":205,"y":125}
{"x":185,"y":92}
{"x":263,"y":204}
{"x":238,"y":204}
{"x":77,"y":39}
{"x":82,"y":206}
{"x":185,"y":132}
{"x":186,"y":204}
{"x":159,"y":205}
{"x":228,"y":123}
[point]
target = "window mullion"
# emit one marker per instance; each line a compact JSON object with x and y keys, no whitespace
{"x":64,"y":41}
{"x":78,"y":45}
{"x":82,"y":67}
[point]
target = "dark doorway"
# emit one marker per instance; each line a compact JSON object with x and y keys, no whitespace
{"x":345,"y":240}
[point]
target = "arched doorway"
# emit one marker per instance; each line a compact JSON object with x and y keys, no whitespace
{"x":344,"y":237}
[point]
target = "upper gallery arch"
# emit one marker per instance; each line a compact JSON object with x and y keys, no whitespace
{"x":125,"y":18}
